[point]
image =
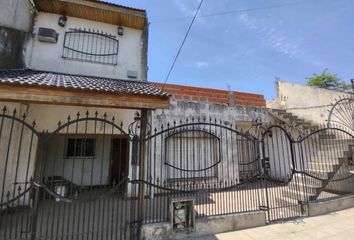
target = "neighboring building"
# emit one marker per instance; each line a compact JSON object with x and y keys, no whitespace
{"x":325,"y":122}
{"x":308,"y":102}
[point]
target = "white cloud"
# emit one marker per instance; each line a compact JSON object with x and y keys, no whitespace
{"x":201,"y":64}
{"x":274,"y":37}
{"x":187,"y":8}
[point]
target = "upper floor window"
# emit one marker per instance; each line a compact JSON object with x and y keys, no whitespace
{"x":90,"y":46}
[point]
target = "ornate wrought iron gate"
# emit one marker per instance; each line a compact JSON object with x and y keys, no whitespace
{"x":66,"y":183}
{"x":18,"y":143}
{"x":201,"y":159}
{"x":59,"y":184}
{"x":283,"y":196}
{"x":314,"y":166}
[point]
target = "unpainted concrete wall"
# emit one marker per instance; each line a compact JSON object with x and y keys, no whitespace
{"x":16,"y":14}
{"x":16,"y":21}
{"x":12,"y":52}
{"x":181,"y":110}
{"x":310,"y":103}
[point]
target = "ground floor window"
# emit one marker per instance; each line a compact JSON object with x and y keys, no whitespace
{"x":81,"y":147}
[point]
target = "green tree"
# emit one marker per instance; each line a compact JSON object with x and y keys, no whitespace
{"x":328,"y":81}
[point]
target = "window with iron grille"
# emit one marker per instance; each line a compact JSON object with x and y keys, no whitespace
{"x":90,"y":46}
{"x":192,"y":154}
{"x":81,"y":147}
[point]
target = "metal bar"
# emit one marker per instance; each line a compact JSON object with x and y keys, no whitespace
{"x":141,"y":169}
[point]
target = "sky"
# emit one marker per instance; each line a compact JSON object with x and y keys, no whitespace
{"x":245,"y":45}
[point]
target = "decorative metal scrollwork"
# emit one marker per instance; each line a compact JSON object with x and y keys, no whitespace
{"x":342,"y":114}
{"x":134,"y":127}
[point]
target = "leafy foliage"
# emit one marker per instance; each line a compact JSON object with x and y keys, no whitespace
{"x":328,"y":81}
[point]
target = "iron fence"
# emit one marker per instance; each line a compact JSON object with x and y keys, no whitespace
{"x":90,"y":177}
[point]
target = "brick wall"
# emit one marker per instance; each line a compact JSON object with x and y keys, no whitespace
{"x":197,"y":94}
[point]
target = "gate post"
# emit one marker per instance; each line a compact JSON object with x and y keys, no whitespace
{"x":38,"y":176}
{"x":141,"y":191}
{"x":264,"y":162}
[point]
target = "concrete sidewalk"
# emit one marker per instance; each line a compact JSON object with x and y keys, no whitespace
{"x":337,"y":225}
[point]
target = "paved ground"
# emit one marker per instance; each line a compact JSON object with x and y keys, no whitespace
{"x":336,"y":226}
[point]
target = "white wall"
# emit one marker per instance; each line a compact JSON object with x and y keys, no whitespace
{"x":47,"y":118}
{"x":18,"y":151}
{"x":307,"y":102}
{"x":91,"y":171}
{"x":48,"y":56}
{"x":16,"y":14}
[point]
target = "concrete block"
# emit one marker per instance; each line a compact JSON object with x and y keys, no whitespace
{"x":156,"y":231}
{"x":319,"y":208}
{"x":205,"y":226}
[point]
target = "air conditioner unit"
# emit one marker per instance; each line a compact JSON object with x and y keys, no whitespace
{"x":47,"y":35}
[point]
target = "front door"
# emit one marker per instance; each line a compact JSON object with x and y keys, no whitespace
{"x":119,"y":163}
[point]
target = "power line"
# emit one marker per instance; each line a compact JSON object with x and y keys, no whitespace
{"x":228,"y":12}
{"x":184,"y":40}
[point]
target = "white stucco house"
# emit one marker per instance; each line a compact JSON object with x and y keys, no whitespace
{"x":79,"y":57}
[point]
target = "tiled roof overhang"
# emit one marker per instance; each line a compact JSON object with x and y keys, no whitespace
{"x":131,"y":94}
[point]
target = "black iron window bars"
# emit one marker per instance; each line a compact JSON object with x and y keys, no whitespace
{"x":90,"y":46}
